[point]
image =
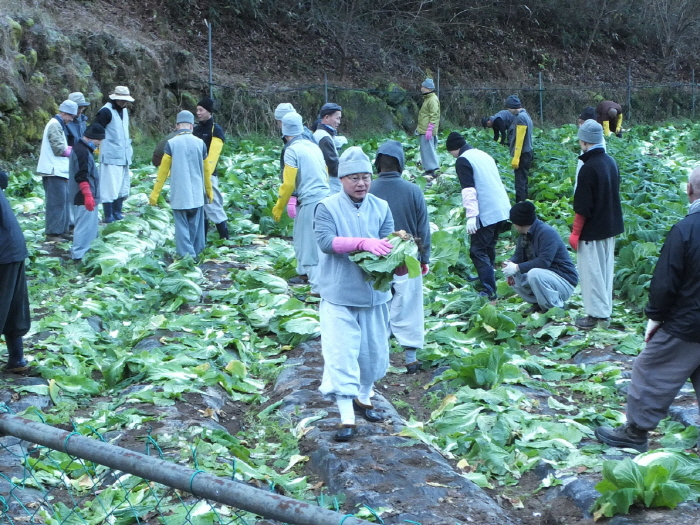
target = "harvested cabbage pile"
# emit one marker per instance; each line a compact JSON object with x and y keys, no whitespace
{"x":380,"y":268}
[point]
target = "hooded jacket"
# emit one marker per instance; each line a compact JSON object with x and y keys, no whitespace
{"x":405,"y":199}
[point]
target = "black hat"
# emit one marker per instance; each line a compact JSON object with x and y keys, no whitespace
{"x":4,"y":177}
{"x":513,"y":102}
{"x":455,"y":141}
{"x":329,"y":109}
{"x":207,"y":104}
{"x":523,"y":214}
{"x":95,"y":131}
{"x":485,"y":121}
{"x":587,"y":113}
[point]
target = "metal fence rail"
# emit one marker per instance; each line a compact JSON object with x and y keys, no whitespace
{"x":385,"y":108}
{"x":104,"y":483}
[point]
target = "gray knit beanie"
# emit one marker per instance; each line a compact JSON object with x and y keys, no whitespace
{"x":591,"y":132}
{"x":68,"y":106}
{"x":282,"y":109}
{"x":292,"y":125}
{"x":352,"y":161}
{"x":428,"y":83}
{"x":513,"y":102}
{"x":185,"y":117}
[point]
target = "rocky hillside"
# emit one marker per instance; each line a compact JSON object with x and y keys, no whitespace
{"x":159,"y":49}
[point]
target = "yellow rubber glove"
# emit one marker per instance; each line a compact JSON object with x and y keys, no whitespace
{"x":210,"y":165}
{"x":289,"y":182}
{"x":520,"y":132}
{"x":163,"y":174}
{"x":606,"y":127}
{"x":619,"y":123}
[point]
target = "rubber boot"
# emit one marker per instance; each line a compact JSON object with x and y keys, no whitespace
{"x":107,"y":208}
{"x":117,"y":209}
{"x":222,"y":228}
{"x":15,"y":355}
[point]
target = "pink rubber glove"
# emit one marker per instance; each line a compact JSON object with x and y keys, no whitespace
{"x":292,"y":207}
{"x":376,"y":246}
{"x":429,"y":132}
{"x":354,"y":244}
{"x":67,"y":151}
{"x":424,"y":269}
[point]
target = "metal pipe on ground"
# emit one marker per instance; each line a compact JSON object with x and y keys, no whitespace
{"x":200,"y":484}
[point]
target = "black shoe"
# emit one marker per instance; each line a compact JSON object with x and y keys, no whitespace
{"x":491,"y":297}
{"x":366,"y":411}
{"x":222,"y":230}
{"x":626,"y":436}
{"x":17,"y":367}
{"x":534,"y":309}
{"x":345,"y":433}
{"x":412,"y":368}
{"x":299,"y":279}
{"x":589,"y":322}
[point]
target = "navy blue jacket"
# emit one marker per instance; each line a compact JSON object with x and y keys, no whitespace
{"x":597,"y":196}
{"x":674,"y":292}
{"x":14,"y":247}
{"x":548,"y":250}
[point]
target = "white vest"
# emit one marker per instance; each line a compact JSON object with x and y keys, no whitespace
{"x":49,"y":163}
{"x":116,"y":146}
{"x":494,"y":205}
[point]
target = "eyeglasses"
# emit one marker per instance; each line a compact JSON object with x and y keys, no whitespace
{"x":365,"y":179}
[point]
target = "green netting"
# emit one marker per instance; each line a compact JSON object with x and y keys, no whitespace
{"x":39,"y":485}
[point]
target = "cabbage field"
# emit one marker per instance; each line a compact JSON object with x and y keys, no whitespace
{"x":134,"y":326}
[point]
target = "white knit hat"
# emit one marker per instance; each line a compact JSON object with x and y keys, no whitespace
{"x":282,"y":109}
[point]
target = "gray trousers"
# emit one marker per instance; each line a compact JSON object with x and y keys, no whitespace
{"x":658,"y":374}
{"x":85,"y":230}
{"x":115,"y":182}
{"x":355,"y":346}
{"x":215,"y":210}
{"x":406,"y":316}
{"x":189,"y":231}
{"x":304,"y":239}
{"x":428,"y":153}
{"x":596,"y":264}
{"x":543,"y":287}
{"x":57,"y":204}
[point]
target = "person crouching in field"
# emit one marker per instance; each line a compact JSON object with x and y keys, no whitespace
{"x":83,"y":186}
{"x":354,"y":316}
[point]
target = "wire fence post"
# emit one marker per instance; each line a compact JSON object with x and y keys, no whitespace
{"x":211,"y":83}
{"x":438,"y":84}
{"x":629,"y":92}
{"x":692,"y":90}
{"x":541,"y":105}
{"x":325,"y":88}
